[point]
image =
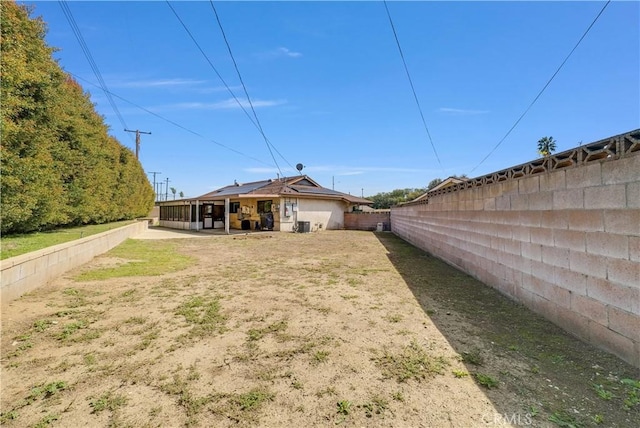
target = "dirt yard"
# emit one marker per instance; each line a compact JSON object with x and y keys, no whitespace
{"x":353,"y":329}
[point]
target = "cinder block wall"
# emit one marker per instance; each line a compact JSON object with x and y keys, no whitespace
{"x":565,"y":243}
{"x":27,"y":272}
{"x":366,"y":220}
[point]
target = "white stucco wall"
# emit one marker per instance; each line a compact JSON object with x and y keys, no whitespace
{"x":322,"y":214}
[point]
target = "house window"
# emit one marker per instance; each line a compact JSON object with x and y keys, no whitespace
{"x":264,"y":207}
{"x":234,"y":207}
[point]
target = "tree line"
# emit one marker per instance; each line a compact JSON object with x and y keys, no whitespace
{"x":385,"y":200}
{"x":59,"y":164}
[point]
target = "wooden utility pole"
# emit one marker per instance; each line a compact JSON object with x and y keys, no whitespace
{"x":155,"y":190}
{"x":138,"y":132}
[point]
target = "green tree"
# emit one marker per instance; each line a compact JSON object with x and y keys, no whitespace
{"x":395,"y":197}
{"x":173,"y":190}
{"x":59,"y":164}
{"x":433,"y":183}
{"x":181,"y":194}
{"x":546,"y":146}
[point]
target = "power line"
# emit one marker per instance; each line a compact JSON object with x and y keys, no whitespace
{"x":176,"y":124}
{"x":543,"y":89}
{"x":220,"y":76}
{"x":413,"y":89}
{"x":244,"y":87}
{"x":87,"y":53}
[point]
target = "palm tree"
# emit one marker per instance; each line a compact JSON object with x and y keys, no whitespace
{"x":181,"y":194}
{"x":546,"y":146}
{"x":173,"y":190}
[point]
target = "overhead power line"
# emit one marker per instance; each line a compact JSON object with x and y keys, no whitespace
{"x":244,"y":87}
{"x":87,"y":53}
{"x":177,"y":124}
{"x":543,"y":88}
{"x":217,"y":73}
{"x":413,"y":89}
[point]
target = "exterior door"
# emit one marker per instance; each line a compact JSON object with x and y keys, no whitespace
{"x":207,"y":216}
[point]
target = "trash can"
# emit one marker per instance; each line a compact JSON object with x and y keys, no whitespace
{"x":380,"y":227}
{"x":304,"y":227}
{"x":246,"y":224}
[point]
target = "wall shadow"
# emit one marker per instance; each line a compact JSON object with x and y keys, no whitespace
{"x":542,"y":372}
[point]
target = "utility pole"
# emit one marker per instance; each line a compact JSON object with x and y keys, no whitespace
{"x":166,"y":196}
{"x":138,"y":132}
{"x":155,"y":190}
{"x":160,"y":183}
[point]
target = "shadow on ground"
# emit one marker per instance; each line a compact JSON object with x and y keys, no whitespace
{"x":543,"y":375}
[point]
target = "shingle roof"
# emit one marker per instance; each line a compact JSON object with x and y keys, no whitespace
{"x":300,"y":185}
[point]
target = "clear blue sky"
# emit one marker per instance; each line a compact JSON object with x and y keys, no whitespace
{"x":331,"y":92}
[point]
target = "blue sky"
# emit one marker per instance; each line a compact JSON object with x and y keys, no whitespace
{"x":331,"y":92}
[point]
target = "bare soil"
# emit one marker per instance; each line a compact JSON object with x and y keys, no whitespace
{"x":333,"y":328}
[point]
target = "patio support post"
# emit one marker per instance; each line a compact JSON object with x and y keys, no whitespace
{"x":197,"y":217}
{"x":226,"y":215}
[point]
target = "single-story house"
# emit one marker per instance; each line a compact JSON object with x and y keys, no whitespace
{"x":284,"y":204}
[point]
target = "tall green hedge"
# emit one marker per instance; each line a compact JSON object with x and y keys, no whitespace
{"x":59,"y":164}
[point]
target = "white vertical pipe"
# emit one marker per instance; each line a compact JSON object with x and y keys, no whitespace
{"x":197,"y":217}
{"x":226,"y":215}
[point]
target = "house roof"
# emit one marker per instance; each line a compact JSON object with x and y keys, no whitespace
{"x":297,"y":186}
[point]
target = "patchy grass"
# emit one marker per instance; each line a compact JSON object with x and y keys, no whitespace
{"x":413,"y":362}
{"x":46,"y":391}
{"x":15,"y":245}
{"x":145,"y":258}
{"x":257,"y":334}
{"x":203,"y":314}
{"x":107,"y":401}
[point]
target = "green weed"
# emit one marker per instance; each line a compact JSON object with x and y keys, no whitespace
{"x":565,"y":420}
{"x":344,"y":407}
{"x":107,"y":401}
{"x":398,"y":396}
{"x":42,"y":325}
{"x":8,"y":416}
{"x":633,"y":394}
{"x":394,"y":318}
{"x":71,"y":328}
{"x":603,"y":393}
{"x":473,"y":357}
{"x":486,"y":380}
{"x":377,"y":406}
{"x":460,"y":373}
{"x":320,"y":356}
{"x":47,"y":420}
{"x":252,"y":400}
{"x":45,"y":391}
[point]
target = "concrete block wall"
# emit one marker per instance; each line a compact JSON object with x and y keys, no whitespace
{"x":27,"y":272}
{"x":366,"y":220}
{"x":565,"y":243}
